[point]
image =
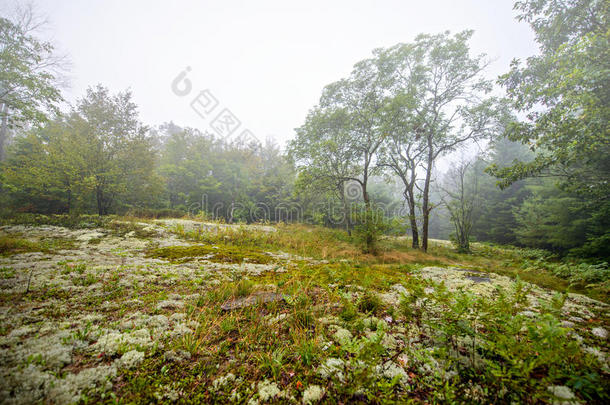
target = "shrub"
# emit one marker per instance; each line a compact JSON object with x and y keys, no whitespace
{"x":370,"y":303}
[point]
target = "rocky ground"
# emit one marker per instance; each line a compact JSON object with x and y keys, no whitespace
{"x":137,"y":313}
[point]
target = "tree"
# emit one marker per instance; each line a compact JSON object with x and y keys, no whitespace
{"x":348,"y":122}
{"x":447,"y":102}
{"x":29,"y":76}
{"x":402,"y":152}
{"x":564,"y":95}
{"x":119,"y":154}
{"x":494,"y":215}
{"x":551,"y":219}
{"x":324,"y":154}
{"x":98,"y":154}
{"x":461,"y":192}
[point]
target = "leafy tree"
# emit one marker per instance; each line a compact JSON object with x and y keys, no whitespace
{"x":551,"y":219}
{"x":99,"y":153}
{"x":403,"y":152}
{"x":564,"y":95}
{"x":446,"y":98}
{"x":119,"y":154}
{"x":348,"y":123}
{"x":324,"y":155}
{"x":29,"y":75}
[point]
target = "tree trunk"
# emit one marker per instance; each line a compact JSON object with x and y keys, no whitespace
{"x":3,"y":130}
{"x":370,"y":241}
{"x":345,"y":208}
{"x":99,"y":194}
{"x":69,"y":200}
{"x":426,"y":203}
{"x":413,"y":220}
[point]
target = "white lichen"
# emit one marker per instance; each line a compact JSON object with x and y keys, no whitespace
{"x":312,"y":394}
{"x":267,"y":390}
{"x":131,"y":359}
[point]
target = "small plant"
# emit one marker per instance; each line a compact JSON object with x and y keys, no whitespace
{"x":191,"y":343}
{"x":370,"y":303}
{"x":228,"y":325}
{"x":69,"y":267}
{"x":85,"y":281}
{"x":243,"y":288}
{"x":307,"y":351}
{"x":6,"y":273}
{"x":370,"y":224}
{"x":272,"y":363}
{"x":84,"y":334}
{"x":302,"y":318}
{"x":348,"y":311}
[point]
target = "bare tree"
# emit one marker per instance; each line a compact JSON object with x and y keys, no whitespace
{"x":459,"y":196}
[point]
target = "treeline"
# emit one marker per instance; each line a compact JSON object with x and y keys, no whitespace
{"x":100,"y":158}
{"x":536,"y":212}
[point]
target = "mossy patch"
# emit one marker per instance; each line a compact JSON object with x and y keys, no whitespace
{"x":213,"y":253}
{"x":11,"y":245}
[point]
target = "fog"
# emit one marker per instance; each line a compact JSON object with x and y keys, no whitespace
{"x":266,"y":61}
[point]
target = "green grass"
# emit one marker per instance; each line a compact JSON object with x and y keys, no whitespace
{"x":459,"y":347}
{"x":214,"y":253}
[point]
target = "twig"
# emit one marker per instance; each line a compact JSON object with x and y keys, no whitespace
{"x":27,"y":290}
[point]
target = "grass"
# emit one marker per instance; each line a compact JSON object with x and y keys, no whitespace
{"x":335,"y":245}
{"x":10,"y":245}
{"x":215,"y":253}
{"x":441,"y":346}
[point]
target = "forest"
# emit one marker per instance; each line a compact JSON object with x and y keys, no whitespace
{"x":416,"y":161}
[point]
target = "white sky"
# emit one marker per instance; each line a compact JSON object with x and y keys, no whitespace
{"x":267,"y":61}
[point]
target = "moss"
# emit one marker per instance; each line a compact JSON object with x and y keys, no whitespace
{"x":213,"y":253}
{"x":11,"y":245}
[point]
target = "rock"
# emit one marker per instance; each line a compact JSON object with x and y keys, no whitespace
{"x":260,"y":298}
{"x":568,"y":324}
{"x":478,"y":279}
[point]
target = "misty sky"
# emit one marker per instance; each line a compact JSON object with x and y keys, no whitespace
{"x":267,"y":61}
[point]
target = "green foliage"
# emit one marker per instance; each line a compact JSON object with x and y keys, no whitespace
{"x":369,"y":225}
{"x":217,"y":253}
{"x":348,"y":311}
{"x":370,"y":303}
{"x":97,"y":156}
{"x":513,"y":355}
{"x":564,"y":94}
{"x":28,"y":77}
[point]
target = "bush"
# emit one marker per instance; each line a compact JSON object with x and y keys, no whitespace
{"x":582,"y":273}
{"x":369,"y":226}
